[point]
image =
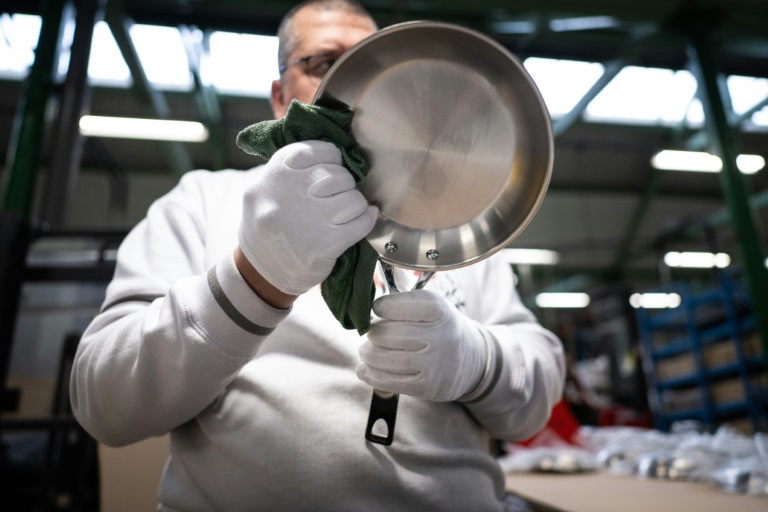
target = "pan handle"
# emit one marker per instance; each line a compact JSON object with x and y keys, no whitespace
{"x":389,"y":275}
{"x":384,"y":403}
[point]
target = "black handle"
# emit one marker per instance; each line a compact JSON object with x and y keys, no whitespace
{"x":383,"y":403}
{"x":383,"y":407}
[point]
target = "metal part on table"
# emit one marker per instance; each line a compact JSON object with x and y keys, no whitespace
{"x":732,"y":479}
{"x":565,"y":463}
{"x":611,"y":455}
{"x":664,"y":466}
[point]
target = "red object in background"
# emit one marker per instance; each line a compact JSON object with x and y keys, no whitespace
{"x":562,"y":427}
{"x":618,"y":415}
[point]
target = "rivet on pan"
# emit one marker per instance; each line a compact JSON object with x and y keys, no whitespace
{"x":432,"y":254}
{"x":390,"y":247}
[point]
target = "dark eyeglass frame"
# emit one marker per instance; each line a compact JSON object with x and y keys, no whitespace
{"x":305,"y":60}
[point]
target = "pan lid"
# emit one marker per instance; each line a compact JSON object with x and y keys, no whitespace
{"x":457,"y":137}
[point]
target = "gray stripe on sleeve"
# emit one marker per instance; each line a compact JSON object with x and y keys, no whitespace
{"x":229,"y":309}
{"x":497,"y":370}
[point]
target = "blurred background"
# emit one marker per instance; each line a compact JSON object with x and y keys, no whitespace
{"x":647,"y":256}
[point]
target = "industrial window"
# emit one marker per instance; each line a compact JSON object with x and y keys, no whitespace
{"x":163,"y":56}
{"x":645,"y":96}
{"x":243,"y":63}
{"x":246,"y":64}
{"x":562,"y":83}
{"x":106,"y":65}
{"x":638,"y":95}
{"x":18,"y":38}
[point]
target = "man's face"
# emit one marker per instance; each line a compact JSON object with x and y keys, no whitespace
{"x":319,"y":32}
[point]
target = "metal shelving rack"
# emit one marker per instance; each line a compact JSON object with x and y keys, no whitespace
{"x":704,"y":319}
{"x":49,"y":462}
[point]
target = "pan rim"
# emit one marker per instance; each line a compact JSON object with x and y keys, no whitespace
{"x":548,"y":142}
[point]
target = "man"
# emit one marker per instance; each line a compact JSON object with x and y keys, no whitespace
{"x":214,"y":330}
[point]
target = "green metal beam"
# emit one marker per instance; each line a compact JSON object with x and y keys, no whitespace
{"x":612,"y":68}
{"x":756,"y":201}
{"x":716,"y":119}
{"x":719,"y":218}
{"x":74,"y":100}
{"x":26,"y":149}
{"x":120,"y":26}
{"x":700,"y":140}
{"x":651,"y":191}
{"x":205,"y":94}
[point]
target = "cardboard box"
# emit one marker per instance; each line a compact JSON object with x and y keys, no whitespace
{"x":732,"y":390}
{"x":36,"y":396}
{"x":674,"y":400}
{"x":675,"y":367}
{"x":713,"y":355}
{"x":743,"y":425}
{"x":721,"y":392}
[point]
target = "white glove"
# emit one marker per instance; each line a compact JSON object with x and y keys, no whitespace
{"x":422,"y":346}
{"x":301,"y":212}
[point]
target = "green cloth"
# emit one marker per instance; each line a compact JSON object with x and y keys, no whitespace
{"x":348,"y":290}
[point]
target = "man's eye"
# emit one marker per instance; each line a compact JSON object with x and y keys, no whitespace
{"x":321,"y":68}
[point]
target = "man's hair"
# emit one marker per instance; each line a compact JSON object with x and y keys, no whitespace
{"x":288,"y":39}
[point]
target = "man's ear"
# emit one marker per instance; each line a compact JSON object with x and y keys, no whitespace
{"x":277,"y":99}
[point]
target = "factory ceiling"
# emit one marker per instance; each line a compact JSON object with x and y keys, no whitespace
{"x":602,"y":174}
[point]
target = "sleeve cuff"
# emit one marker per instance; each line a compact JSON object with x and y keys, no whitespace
{"x":503,"y":385}
{"x":242,"y":319}
{"x":241,"y":304}
{"x":493,"y":368}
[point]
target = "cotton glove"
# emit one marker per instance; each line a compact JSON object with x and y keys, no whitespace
{"x":300,"y":214}
{"x":422,"y":346}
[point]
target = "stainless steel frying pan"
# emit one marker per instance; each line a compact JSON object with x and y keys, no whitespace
{"x":459,"y":145}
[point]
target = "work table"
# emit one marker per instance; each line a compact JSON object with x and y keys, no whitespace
{"x":603,"y":492}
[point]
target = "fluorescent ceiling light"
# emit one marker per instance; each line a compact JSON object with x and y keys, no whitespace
{"x":654,"y":300}
{"x":513,"y":27}
{"x":750,"y":164}
{"x":62,"y":257}
{"x":147,"y":129}
{"x":697,"y":259}
{"x":530,"y":256}
{"x":584,"y":23}
{"x":671,"y":160}
{"x":562,"y":300}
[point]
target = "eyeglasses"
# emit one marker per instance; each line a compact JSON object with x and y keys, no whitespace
{"x":315,"y":66}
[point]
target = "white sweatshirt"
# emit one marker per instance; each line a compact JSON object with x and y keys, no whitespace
{"x":263,"y":405}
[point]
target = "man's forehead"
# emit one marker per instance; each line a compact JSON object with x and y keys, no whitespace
{"x":315,"y":27}
{"x":319,"y":16}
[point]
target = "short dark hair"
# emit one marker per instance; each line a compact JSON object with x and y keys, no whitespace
{"x":288,"y":39}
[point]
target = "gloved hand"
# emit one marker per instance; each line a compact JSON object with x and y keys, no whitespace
{"x":301,"y":212}
{"x":422,"y":346}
